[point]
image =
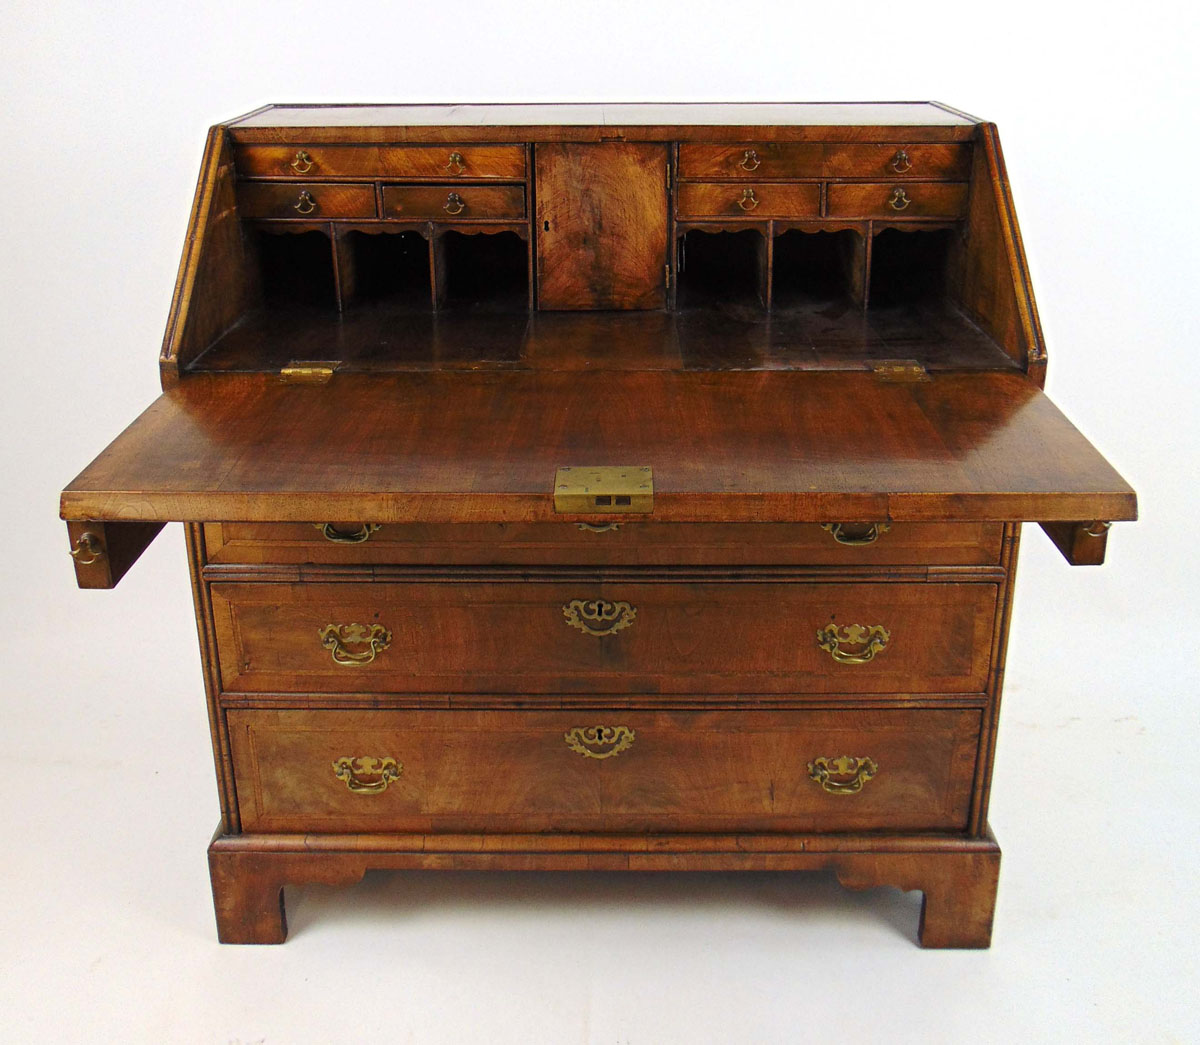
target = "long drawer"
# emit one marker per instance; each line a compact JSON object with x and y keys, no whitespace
{"x":589,"y":635}
{"x":335,"y":771}
{"x":382,"y":161}
{"x":637,"y":543}
{"x":766,"y":161}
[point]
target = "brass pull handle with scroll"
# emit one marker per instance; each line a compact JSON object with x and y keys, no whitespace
{"x":899,"y":200}
{"x":88,"y":549}
{"x":454,"y":204}
{"x":303,"y":163}
{"x":599,"y":527}
{"x":600,"y":741}
{"x":750,"y":160}
{"x":305,"y":203}
{"x":900,"y":162}
{"x":353,"y":770}
{"x":339,"y":536}
{"x":456,"y":165}
{"x":844,"y":775}
{"x":872,"y":639}
{"x":748,"y":201}
{"x":339,"y":638}
{"x":848,"y":534}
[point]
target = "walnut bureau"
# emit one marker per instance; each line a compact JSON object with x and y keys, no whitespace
{"x":602,"y":487}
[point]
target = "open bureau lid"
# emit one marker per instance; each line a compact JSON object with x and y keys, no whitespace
{"x":741,"y":446}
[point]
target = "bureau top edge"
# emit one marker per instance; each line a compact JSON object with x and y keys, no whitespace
{"x":822,"y":121}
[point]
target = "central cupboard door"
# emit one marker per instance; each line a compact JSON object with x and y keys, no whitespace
{"x":601,"y":226}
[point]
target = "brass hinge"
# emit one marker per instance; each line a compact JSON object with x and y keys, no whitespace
{"x":899,"y":370}
{"x":309,"y":371}
{"x":604,"y":490}
{"x":668,"y":177}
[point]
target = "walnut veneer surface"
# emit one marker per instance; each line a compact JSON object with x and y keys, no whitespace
{"x":392,"y":325}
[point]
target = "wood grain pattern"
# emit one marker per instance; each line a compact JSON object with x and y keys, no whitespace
{"x":705,"y":199}
{"x":469,"y":202}
{"x":260,"y":199}
{"x":601,"y":226}
{"x":511,"y":636}
{"x":513,"y":771}
{"x":725,"y":447}
{"x":490,"y":162}
{"x":770,"y":160}
{"x":920,"y":200}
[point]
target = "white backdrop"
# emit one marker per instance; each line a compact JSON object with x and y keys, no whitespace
{"x":106,"y":931}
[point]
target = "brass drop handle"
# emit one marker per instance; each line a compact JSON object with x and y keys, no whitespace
{"x":303,"y":163}
{"x":338,"y":638}
{"x":353,"y":770}
{"x":900,"y":162}
{"x":899,"y":199}
{"x":853,"y":536}
{"x":844,"y":775}
{"x":750,"y":161}
{"x":599,"y":616}
{"x":454,"y":204}
{"x":305,"y":203}
{"x":332,"y":533}
{"x":88,"y":549}
{"x":871,"y":639}
{"x":748,"y":201}
{"x":456,"y":164}
{"x":599,"y":527}
{"x":600,"y":741}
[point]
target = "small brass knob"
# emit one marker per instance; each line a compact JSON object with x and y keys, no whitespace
{"x":305,"y":203}
{"x":748,"y":201}
{"x":899,"y":199}
{"x":454,"y":204}
{"x":303,"y":163}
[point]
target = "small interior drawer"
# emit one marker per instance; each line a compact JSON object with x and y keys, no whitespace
{"x":334,"y":771}
{"x":898,"y":161}
{"x":715,"y":200}
{"x":305,"y":200}
{"x":889,"y":200}
{"x":758,"y":161}
{"x":453,"y":202}
{"x":443,"y":162}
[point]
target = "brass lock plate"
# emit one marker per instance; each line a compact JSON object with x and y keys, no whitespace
{"x":605,"y":490}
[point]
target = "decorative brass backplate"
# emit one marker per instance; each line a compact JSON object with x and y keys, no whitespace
{"x":844,"y":775}
{"x":871,"y":638}
{"x":340,"y":536}
{"x":338,"y":638}
{"x":605,"y":490}
{"x":354,"y":770}
{"x":599,"y":741}
{"x":599,"y":616}
{"x":854,"y":534}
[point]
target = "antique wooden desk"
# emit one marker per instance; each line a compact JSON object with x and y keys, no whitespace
{"x":601,"y":487}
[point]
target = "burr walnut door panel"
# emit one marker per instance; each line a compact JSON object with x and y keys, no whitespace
{"x":601,"y":226}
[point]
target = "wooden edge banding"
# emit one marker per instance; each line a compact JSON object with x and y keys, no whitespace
{"x":103,"y":552}
{"x":957,"y":875}
{"x":1081,"y":543}
{"x":218,"y":727}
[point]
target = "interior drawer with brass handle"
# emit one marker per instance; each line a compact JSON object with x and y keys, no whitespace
{"x":421,"y":771}
{"x":587,"y":635}
{"x":712,"y":200}
{"x":607,"y":542}
{"x":888,"y":200}
{"x":382,"y":161}
{"x":459,"y":202}
{"x":762,"y":161}
{"x":928,"y":161}
{"x":259,"y":199}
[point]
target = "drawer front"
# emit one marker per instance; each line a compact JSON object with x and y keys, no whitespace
{"x":888,"y":200}
{"x":443,"y":162}
{"x":306,"y":200}
{"x":589,"y":636}
{"x":757,"y":161}
{"x":898,"y":161}
{"x":603,"y":771}
{"x":700,"y":200}
{"x":453,"y":202}
{"x":638,"y":543}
